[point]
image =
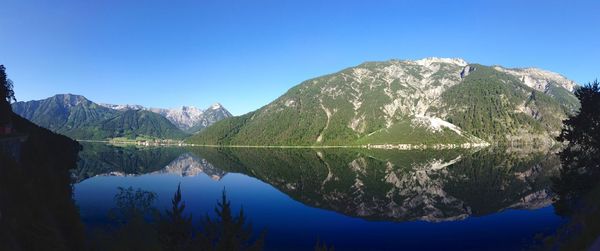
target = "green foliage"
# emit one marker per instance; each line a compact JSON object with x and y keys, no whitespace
{"x":565,"y":98}
{"x":135,"y":123}
{"x":222,"y":132}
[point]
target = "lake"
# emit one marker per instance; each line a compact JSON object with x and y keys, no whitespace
{"x":353,"y":199}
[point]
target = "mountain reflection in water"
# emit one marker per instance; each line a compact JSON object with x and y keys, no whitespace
{"x":353,"y":199}
{"x":376,"y":185}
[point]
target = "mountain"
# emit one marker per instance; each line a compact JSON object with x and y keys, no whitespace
{"x":213,"y":114}
{"x":188,"y":164}
{"x":63,"y":113}
{"x":98,"y":159}
{"x":123,"y":107}
{"x":103,"y":159}
{"x":80,"y":118}
{"x":398,"y":185}
{"x":131,"y":124}
{"x":427,"y":101}
{"x":187,"y":118}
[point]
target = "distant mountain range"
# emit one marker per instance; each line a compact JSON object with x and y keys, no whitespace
{"x":427,"y":101}
{"x":80,"y":118}
{"x":187,"y":118}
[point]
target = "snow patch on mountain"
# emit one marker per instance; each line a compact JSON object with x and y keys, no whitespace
{"x":435,"y":124}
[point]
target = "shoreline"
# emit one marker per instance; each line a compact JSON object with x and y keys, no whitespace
{"x":368,"y":146}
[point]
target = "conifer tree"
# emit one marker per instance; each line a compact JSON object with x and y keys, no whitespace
{"x":580,"y":170}
{"x":176,"y":230}
{"x":227,"y":232}
{"x":6,"y":96}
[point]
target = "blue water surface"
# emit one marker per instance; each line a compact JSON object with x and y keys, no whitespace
{"x":292,"y":225}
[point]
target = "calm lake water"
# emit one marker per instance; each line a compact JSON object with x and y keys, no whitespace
{"x":353,"y":199}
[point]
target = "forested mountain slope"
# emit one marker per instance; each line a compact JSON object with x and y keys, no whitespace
{"x":427,"y":101}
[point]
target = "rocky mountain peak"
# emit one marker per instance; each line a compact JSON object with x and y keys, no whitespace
{"x":216,"y":106}
{"x":431,"y":60}
{"x":122,"y":107}
{"x":189,"y":165}
{"x":70,"y":100}
{"x":186,"y":118}
{"x":539,"y":79}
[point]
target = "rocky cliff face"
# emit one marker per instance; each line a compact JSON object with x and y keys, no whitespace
{"x":539,"y":79}
{"x":432,"y":100}
{"x":183,"y":117}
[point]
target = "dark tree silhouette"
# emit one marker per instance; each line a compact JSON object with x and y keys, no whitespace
{"x":580,"y":158}
{"x":6,"y":96}
{"x":582,"y":131}
{"x":176,"y":230}
{"x":578,"y":185}
{"x":322,"y":246}
{"x":227,"y":232}
{"x":37,"y":211}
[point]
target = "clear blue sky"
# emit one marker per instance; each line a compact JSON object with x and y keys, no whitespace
{"x":244,"y":54}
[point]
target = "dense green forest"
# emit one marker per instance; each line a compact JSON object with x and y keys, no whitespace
{"x":129,"y":124}
{"x":490,"y":105}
